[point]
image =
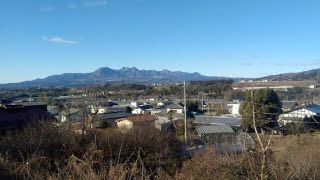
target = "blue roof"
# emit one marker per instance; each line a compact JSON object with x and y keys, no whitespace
{"x":313,"y":108}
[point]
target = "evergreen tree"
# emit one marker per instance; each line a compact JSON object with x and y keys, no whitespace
{"x":267,"y":108}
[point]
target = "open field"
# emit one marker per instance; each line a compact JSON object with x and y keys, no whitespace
{"x":273,"y":83}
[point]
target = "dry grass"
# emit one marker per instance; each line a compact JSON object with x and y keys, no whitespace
{"x":46,"y":152}
{"x":275,"y":83}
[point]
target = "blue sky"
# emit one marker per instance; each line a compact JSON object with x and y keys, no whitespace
{"x":235,"y":38}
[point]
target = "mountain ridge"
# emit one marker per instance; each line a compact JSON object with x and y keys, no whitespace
{"x":313,"y":74}
{"x":105,"y":75}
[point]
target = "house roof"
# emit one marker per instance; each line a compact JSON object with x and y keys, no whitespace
{"x":289,"y":104}
{"x":141,"y":118}
{"x":174,"y":106}
{"x":219,"y":120}
{"x":52,"y":107}
{"x":17,"y":116}
{"x":116,"y":108}
{"x":29,"y":103}
{"x":145,"y":107}
{"x":116,"y":115}
{"x":313,"y":108}
{"x":4,"y":101}
{"x":162,"y":120}
{"x":214,"y":129}
{"x":70,"y":111}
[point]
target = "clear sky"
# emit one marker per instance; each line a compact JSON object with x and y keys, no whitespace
{"x":235,"y":38}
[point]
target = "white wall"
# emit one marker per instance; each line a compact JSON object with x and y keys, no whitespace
{"x":177,"y":111}
{"x":300,"y":113}
{"x":234,"y":108}
{"x":137,"y":111}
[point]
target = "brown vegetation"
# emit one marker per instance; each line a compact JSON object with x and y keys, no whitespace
{"x":45,"y":151}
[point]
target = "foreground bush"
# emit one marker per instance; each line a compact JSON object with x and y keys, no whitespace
{"x":45,"y":151}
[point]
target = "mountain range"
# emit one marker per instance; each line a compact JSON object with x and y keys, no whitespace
{"x":311,"y":75}
{"x":107,"y":75}
{"x":133,"y":75}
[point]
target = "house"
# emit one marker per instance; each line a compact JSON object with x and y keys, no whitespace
{"x":109,"y":119}
{"x":175,"y":108}
{"x":107,"y":109}
{"x":53,"y":110}
{"x":156,"y":111}
{"x":163,"y":124}
{"x":142,"y":109}
{"x":13,"y":117}
{"x":307,"y":114}
{"x":114,"y":109}
{"x":98,"y":110}
{"x":208,"y":130}
{"x":313,"y":86}
{"x":29,"y":103}
{"x":160,"y":104}
{"x":134,"y":104}
{"x":224,"y":140}
{"x":71,"y":114}
{"x":136,"y":121}
{"x":4,"y":102}
{"x":124,"y":123}
{"x":289,"y":105}
{"x":174,"y":116}
{"x":215,"y":133}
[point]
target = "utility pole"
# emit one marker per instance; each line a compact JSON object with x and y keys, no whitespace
{"x":185,"y":113}
{"x":208,"y":112}
{"x":202,"y":103}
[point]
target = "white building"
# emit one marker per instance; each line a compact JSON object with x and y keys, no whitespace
{"x":98,"y":110}
{"x":313,"y":86}
{"x":142,"y":109}
{"x":298,"y":115}
{"x":234,"y":108}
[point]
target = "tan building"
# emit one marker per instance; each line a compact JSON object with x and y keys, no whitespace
{"x":124,"y":123}
{"x":136,"y":121}
{"x":175,"y":108}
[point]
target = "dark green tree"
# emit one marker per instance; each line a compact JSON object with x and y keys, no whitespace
{"x":192,"y":106}
{"x":128,"y":109}
{"x":267,"y":108}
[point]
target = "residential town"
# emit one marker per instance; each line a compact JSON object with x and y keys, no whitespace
{"x":159,"y":90}
{"x":219,"y":124}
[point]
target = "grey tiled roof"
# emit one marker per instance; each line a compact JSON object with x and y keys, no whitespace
{"x":214,"y":129}
{"x":116,"y":115}
{"x":70,"y":111}
{"x":174,"y":106}
{"x":231,"y":121}
{"x":289,"y":104}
